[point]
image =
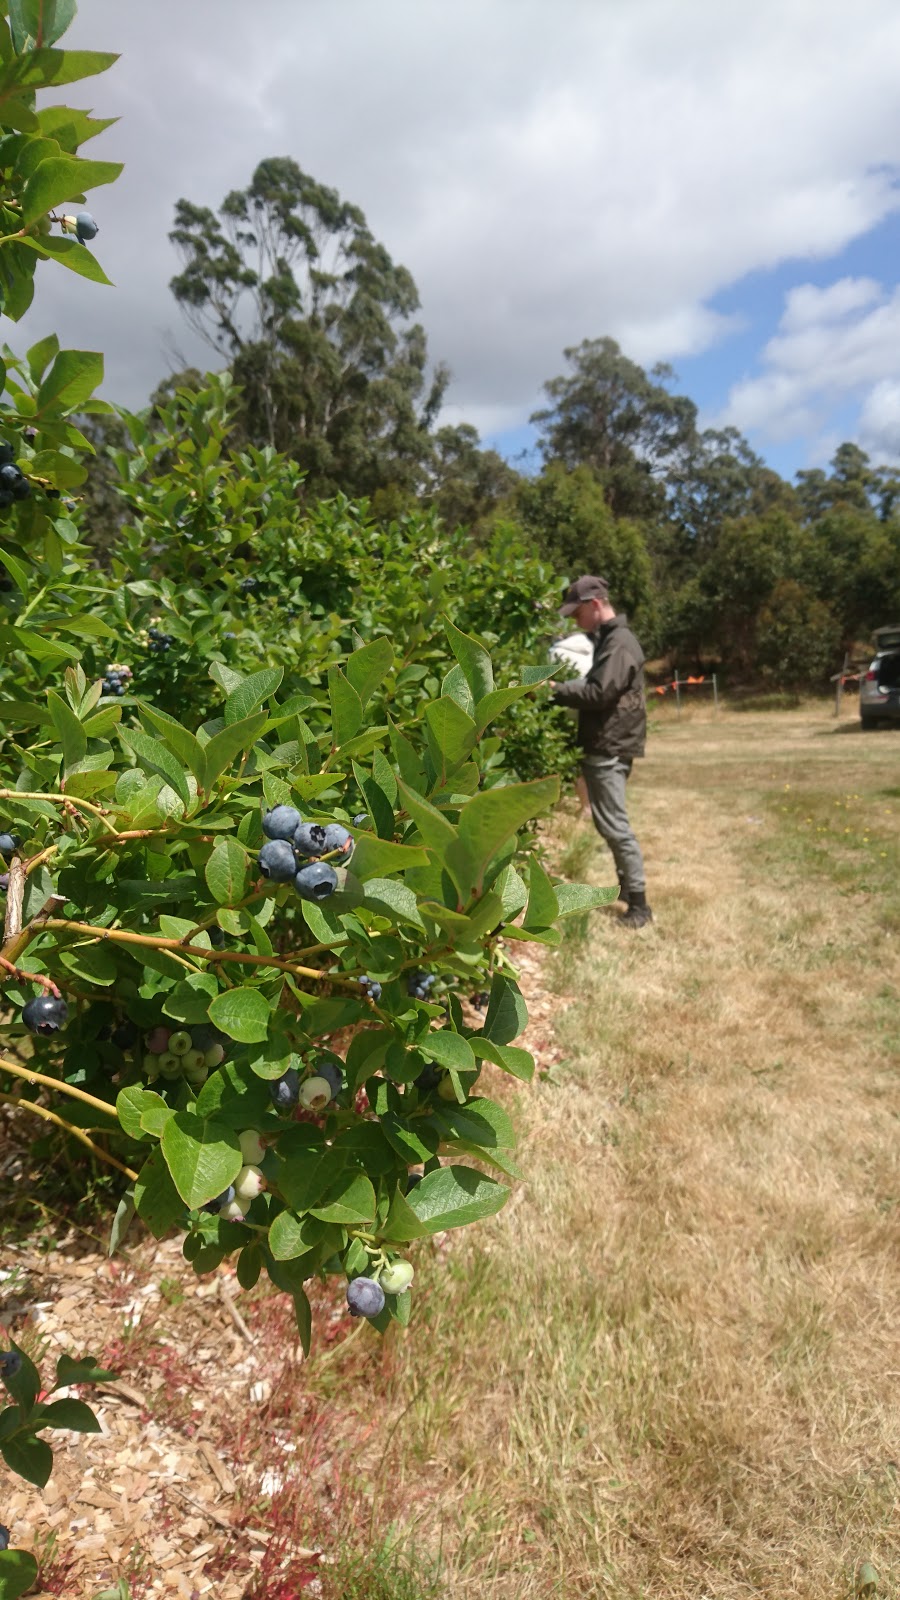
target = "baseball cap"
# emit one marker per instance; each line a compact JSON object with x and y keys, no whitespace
{"x":588,"y":588}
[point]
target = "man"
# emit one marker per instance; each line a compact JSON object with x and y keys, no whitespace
{"x":612,"y":726}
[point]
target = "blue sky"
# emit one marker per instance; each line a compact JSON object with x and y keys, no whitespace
{"x":754,"y":304}
{"x":714,"y":186}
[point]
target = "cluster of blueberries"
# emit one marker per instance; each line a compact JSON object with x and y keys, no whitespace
{"x":115,"y":678}
{"x":234,"y":1203}
{"x":158,"y":641}
{"x":420,"y":984}
{"x":294,"y":848}
{"x":176,"y":1053}
{"x":13,"y":483}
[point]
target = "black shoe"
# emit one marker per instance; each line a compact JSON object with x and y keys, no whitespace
{"x":638,"y":913}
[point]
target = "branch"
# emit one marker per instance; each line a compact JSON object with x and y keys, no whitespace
{"x":77,"y":1133}
{"x":60,"y":800}
{"x":56,"y":1083}
{"x":176,"y":947}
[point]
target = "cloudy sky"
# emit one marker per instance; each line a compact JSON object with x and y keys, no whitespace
{"x":715,"y":184}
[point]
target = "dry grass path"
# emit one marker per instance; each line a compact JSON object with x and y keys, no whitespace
{"x":672,"y":1366}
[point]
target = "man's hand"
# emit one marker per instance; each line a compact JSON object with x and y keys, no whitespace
{"x":551,"y":683}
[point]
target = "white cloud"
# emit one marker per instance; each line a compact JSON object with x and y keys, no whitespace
{"x":835,"y":345}
{"x":548,"y":174}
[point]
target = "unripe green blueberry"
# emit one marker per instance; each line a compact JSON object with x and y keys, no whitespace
{"x":249,"y":1183}
{"x":235,"y":1211}
{"x":151,"y":1066}
{"x":252,"y":1147}
{"x":397,"y":1277}
{"x":315,"y":1093}
{"x":214,"y":1056}
{"x":195,"y":1061}
{"x":446,"y":1088}
{"x":169,"y":1064}
{"x":180,"y":1043}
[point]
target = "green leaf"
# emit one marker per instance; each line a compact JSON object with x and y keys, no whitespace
{"x":243,"y":1013}
{"x":488,"y":820}
{"x":303,"y":1315}
{"x":18,"y":1570}
{"x":436,"y":831}
{"x":474,"y":660}
{"x":40,"y":356}
{"x":39,"y":21}
{"x":543,"y":908}
{"x":572,"y":897}
{"x":69,"y":253}
{"x":493,"y":704}
{"x":72,"y":1414}
{"x":62,"y":178}
{"x":224,"y":746}
{"x":394,"y":897}
{"x":226,"y":871}
{"x":346,"y":708}
{"x":94,"y":962}
{"x":72,"y":736}
{"x":372,"y":857}
{"x":451,"y":736}
{"x":154,"y":757}
{"x":351,"y":1199}
{"x":291,"y":1236}
{"x":507,"y":1013}
{"x":367,"y":667}
{"x":72,"y":379}
{"x":509,"y":1057}
{"x":31,"y":1458}
{"x":18,"y":572}
{"x":129,"y":1107}
{"x":203,"y":1157}
{"x":184,"y":745}
{"x":251,"y":692}
{"x":81,"y":1369}
{"x":156,"y":1199}
{"x":125,"y":1214}
{"x":40,"y":69}
{"x":449,"y":1049}
{"x":25,"y":1385}
{"x":452,"y":1197}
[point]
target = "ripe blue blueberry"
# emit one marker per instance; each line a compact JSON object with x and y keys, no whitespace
{"x":309,"y":839}
{"x":216,"y":937}
{"x":281,"y":822}
{"x":7,"y":452}
{"x":9,"y":842}
{"x":337,"y":837}
{"x":247,"y":584}
{"x":10,"y":1363}
{"x":316,"y":881}
{"x":413,"y":1179}
{"x":285,"y":1091}
{"x":125,"y":1035}
{"x":365,"y":1297}
{"x":85,"y":227}
{"x":45,"y":1014}
{"x":373,"y":989}
{"x":276,"y":861}
{"x":361,"y":818}
{"x":220,"y":1200}
{"x":418,"y":984}
{"x":4,"y":1536}
{"x":4,"y":882}
{"x":428,"y":1078}
{"x":332,"y":1075}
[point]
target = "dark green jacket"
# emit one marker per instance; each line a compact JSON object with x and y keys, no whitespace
{"x":612,"y":714}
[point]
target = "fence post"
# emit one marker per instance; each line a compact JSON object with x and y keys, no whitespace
{"x":839,"y":687}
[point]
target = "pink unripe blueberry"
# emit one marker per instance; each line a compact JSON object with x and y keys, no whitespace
{"x":214,"y":1056}
{"x":235,"y":1211}
{"x":158,"y":1041}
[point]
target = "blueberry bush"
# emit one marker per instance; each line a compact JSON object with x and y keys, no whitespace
{"x":260,"y":835}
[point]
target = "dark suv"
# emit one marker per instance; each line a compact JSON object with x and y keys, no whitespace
{"x":879,"y":688}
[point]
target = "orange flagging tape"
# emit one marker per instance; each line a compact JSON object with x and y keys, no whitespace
{"x":683,"y":683}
